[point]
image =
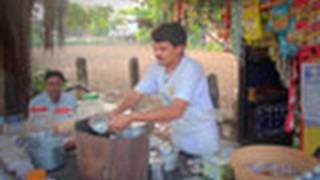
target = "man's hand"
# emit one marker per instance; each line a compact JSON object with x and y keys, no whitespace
{"x":112,"y":114}
{"x":70,"y":143}
{"x":66,"y":127}
{"x":119,"y":123}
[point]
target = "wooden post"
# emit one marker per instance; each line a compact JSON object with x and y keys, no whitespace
{"x":134,"y":71}
{"x":213,"y":89}
{"x":242,"y":96}
{"x":82,"y":74}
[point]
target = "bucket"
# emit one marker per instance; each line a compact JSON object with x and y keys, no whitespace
{"x":111,"y":156}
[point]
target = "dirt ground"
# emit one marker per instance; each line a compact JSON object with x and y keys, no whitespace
{"x":108,"y":68}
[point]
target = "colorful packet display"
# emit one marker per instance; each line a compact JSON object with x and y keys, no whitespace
{"x":290,"y":29}
{"x":283,"y":20}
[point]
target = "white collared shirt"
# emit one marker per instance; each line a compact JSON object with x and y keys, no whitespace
{"x":196,"y":131}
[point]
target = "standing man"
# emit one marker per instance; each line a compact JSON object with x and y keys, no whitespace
{"x":182,"y":86}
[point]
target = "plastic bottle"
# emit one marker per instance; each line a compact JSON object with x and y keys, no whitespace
{"x":297,"y":178}
{"x":92,"y":104}
{"x":316,"y":172}
{"x":308,"y":176}
{"x":156,"y":166}
{"x":169,"y":157}
{"x":36,"y":174}
{"x":4,"y":175}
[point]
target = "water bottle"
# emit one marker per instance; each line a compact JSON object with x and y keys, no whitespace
{"x":156,"y":166}
{"x":2,"y":120}
{"x":170,"y":158}
{"x":4,"y":175}
{"x":308,"y":176}
{"x":316,"y":172}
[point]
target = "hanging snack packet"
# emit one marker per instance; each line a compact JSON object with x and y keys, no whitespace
{"x":279,"y":17}
{"x":251,"y":21}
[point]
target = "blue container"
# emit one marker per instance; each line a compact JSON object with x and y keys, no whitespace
{"x":17,"y":118}
{"x":2,"y":120}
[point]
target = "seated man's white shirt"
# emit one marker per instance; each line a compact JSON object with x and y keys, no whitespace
{"x":62,"y":110}
{"x":196,"y":131}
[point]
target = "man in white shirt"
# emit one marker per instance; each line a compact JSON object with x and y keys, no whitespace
{"x":182,"y":86}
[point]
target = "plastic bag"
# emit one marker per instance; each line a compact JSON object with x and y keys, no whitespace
{"x":251,"y":21}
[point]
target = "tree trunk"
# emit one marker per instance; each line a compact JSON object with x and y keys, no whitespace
{"x":15,"y":33}
{"x":49,"y":22}
{"x":61,"y":9}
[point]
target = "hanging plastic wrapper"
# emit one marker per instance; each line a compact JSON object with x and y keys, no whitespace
{"x":284,"y":70}
{"x":13,"y":157}
{"x":251,"y":21}
{"x":279,"y":16}
{"x":282,"y":25}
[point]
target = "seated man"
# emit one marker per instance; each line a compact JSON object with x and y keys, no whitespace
{"x":53,"y":100}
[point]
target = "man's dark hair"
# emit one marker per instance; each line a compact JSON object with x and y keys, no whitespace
{"x":54,"y":73}
{"x":171,"y":32}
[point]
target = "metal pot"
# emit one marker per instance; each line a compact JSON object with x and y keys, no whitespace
{"x":99,"y":124}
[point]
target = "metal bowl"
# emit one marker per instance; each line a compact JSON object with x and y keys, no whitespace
{"x":99,"y":124}
{"x":136,"y":129}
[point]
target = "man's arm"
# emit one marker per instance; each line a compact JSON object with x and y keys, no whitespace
{"x":163,"y":114}
{"x":129,"y":101}
{"x":147,"y":86}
